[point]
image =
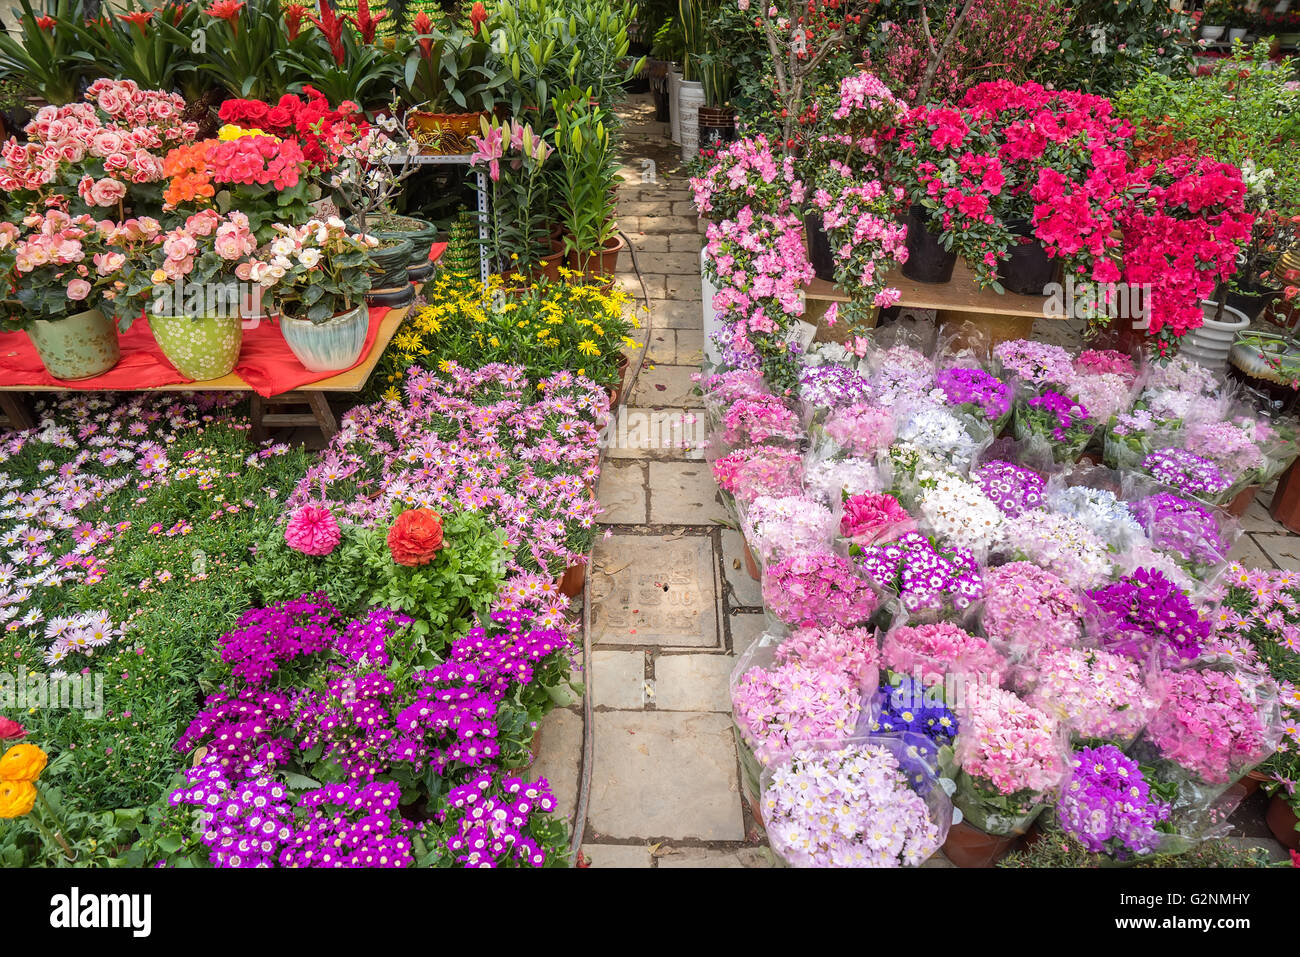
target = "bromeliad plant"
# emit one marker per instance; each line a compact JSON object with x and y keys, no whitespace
{"x":44,"y":55}
{"x":153,"y":46}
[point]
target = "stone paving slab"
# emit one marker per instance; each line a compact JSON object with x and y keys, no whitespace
{"x":665,"y":774}
{"x":684,"y":493}
{"x":1282,"y":549}
{"x":693,"y":683}
{"x":620,"y":679}
{"x":622,"y":494}
{"x":648,"y":591}
{"x":710,"y":857}
{"x":617,"y":855}
{"x":746,"y":628}
{"x":682,"y":314}
{"x":666,"y":387}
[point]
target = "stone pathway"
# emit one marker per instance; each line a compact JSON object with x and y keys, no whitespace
{"x":672,"y":605}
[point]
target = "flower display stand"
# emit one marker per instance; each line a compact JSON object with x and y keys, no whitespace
{"x":961,"y":307}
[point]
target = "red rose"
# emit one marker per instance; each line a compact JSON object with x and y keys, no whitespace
{"x":415,"y":537}
{"x":11,"y":729}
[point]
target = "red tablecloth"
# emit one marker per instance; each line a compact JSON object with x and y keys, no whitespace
{"x":265,"y":361}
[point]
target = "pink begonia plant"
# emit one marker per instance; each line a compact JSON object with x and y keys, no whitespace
{"x":312,"y":530}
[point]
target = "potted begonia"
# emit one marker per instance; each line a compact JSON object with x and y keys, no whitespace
{"x":52,"y":265}
{"x":185,"y":280}
{"x":319,"y":276}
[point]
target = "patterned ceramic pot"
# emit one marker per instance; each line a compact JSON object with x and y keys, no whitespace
{"x":80,"y":346}
{"x":329,"y":346}
{"x":199,"y":348}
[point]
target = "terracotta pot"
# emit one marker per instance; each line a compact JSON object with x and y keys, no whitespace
{"x":1285,"y":507}
{"x":1251,"y":782}
{"x":572,"y":580}
{"x":601,"y":263}
{"x":751,"y":565}
{"x":622,"y":373}
{"x":549,"y":266}
{"x":1281,"y":821}
{"x":970,"y":847}
{"x":1237,"y":507}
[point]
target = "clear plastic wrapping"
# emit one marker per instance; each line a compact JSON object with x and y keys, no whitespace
{"x":870,"y":801}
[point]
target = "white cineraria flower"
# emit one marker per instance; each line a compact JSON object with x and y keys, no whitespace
{"x":958,"y":512}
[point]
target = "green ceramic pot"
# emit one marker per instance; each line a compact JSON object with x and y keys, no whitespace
{"x":329,"y":346}
{"x":200,"y":349}
{"x":80,"y":346}
{"x":420,"y":232}
{"x":390,"y":282}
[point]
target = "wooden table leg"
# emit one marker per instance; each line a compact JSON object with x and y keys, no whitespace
{"x":320,"y":408}
{"x":14,"y":405}
{"x":256,"y":408}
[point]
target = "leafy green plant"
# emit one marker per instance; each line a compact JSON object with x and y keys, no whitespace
{"x":44,"y":54}
{"x":149,"y":45}
{"x":246,"y":51}
{"x":365,"y":74}
{"x":1055,"y":848}
{"x":585,"y":182}
{"x":453,"y":70}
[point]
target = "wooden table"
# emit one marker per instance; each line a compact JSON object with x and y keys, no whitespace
{"x":14,"y":404}
{"x":959,"y":304}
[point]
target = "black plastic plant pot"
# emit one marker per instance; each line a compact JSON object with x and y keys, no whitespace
{"x":927,"y":261}
{"x":819,"y":247}
{"x":662,"y":114}
{"x":1251,"y":303}
{"x":390,"y":283}
{"x":1028,"y":268}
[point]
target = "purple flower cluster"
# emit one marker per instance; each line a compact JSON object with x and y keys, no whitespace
{"x":240,"y":730}
{"x":350,"y":826}
{"x":266,"y":638}
{"x":1108,"y":806}
{"x":923,"y":577}
{"x":981,"y":390}
{"x":493,"y":821}
{"x":1013,"y":488}
{"x":832,"y":385}
{"x":1064,"y":412}
{"x":245,"y":823}
{"x":1144,"y":613}
{"x":1188,"y":530}
{"x":1187,"y":471}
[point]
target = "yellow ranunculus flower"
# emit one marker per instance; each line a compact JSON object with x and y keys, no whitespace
{"x":158,"y":277}
{"x":16,"y":798}
{"x":22,"y":762}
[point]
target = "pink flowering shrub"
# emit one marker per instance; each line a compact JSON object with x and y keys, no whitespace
{"x":747,"y":173}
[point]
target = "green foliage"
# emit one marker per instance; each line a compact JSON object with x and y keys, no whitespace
{"x":47,"y":61}
{"x":1055,"y":848}
{"x":585,"y":182}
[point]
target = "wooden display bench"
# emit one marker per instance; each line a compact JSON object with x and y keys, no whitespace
{"x":961,"y":307}
{"x":314,"y":396}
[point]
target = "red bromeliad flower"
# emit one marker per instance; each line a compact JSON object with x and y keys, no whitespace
{"x":477,"y":14}
{"x":293,"y":14}
{"x":227,"y":10}
{"x":423,"y":28}
{"x":138,"y":17}
{"x":366,"y":24}
{"x":331,"y":26}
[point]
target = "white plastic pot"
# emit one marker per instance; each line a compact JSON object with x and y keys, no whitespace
{"x":1237,"y":33}
{"x":1210,"y":344}
{"x":674,"y":108}
{"x":690,"y":97}
{"x":1210,"y":32}
{"x":711,"y":324}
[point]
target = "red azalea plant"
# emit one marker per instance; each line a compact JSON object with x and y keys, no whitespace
{"x":319,"y":128}
{"x":1182,"y":231}
{"x":949,"y":164}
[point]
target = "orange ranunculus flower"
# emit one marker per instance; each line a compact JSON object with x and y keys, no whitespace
{"x":415,"y":537}
{"x":22,"y":762}
{"x":16,"y":798}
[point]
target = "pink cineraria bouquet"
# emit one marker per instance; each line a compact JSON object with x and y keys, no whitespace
{"x":940,"y":649}
{"x":870,"y":518}
{"x":1012,"y":756}
{"x":1028,"y":610}
{"x":851,"y":651}
{"x":793,"y":704}
{"x":1216,"y":724}
{"x":850,"y":807}
{"x":818,"y":588}
{"x":1098,"y":695}
{"x":760,"y":418}
{"x":781,"y":526}
{"x":756,"y":470}
{"x":861,"y":429}
{"x":1035,"y":363}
